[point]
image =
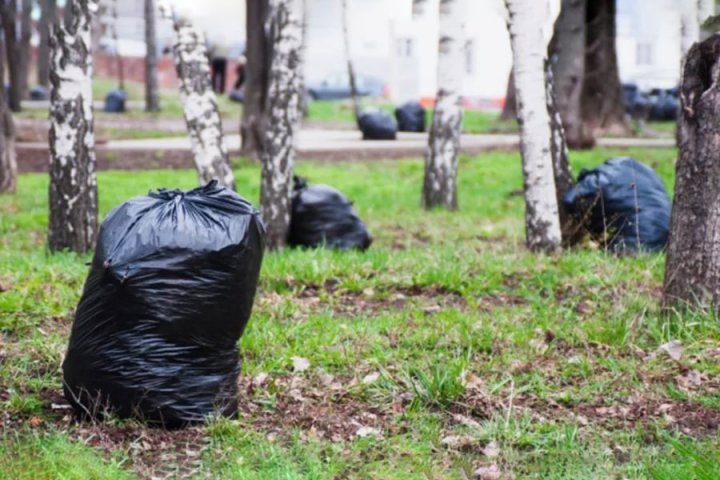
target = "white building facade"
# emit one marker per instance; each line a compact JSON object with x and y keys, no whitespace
{"x":391,"y":45}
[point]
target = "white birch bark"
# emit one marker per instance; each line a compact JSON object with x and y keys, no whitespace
{"x":525,"y":23}
{"x":285,"y":26}
{"x":441,"y":159}
{"x":200,"y":106}
{"x":73,"y":185}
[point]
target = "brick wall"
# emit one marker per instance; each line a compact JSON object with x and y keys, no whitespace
{"x":107,"y":66}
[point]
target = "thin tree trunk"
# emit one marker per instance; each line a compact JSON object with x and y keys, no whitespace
{"x":200,"y":106}
{"x":118,"y":55}
{"x":24,"y":52}
{"x":441,"y":159}
{"x":567,"y":57}
{"x":73,"y":185}
{"x":603,"y":104}
{"x":8,"y":160}
{"x":542,"y":222}
{"x":152,"y":96}
{"x":509,"y":111}
{"x":8,"y":11}
{"x":283,"y":118}
{"x":254,"y":115}
{"x":692,"y":272}
{"x":351,"y":69}
{"x":48,"y":17}
{"x":564,"y":181}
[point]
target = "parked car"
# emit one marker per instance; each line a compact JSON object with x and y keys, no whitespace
{"x":337,"y":87}
{"x":637,"y":104}
{"x":665,"y":104}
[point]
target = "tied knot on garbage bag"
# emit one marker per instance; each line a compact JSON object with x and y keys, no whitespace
{"x":169,"y":293}
{"x":323,"y":217}
{"x":623,"y":204}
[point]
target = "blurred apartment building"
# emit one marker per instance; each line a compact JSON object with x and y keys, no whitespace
{"x":392,"y":45}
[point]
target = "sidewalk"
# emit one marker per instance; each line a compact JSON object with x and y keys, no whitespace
{"x":315,"y":144}
{"x":345,"y":141}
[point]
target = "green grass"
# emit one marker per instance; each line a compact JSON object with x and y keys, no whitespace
{"x":446,"y":327}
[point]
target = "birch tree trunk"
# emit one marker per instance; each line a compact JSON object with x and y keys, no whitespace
{"x":351,"y":70}
{"x":692,"y":271}
{"x":73,"y":186}
{"x":542,"y":222}
{"x":567,"y":57}
{"x":152,"y":96}
{"x":200,"y":106}
{"x":48,"y":17}
{"x":254,"y":115}
{"x":441,"y":158}
{"x":283,"y":117}
{"x":570,"y":229}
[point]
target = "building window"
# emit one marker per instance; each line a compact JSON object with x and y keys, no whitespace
{"x":644,"y":54}
{"x":405,"y":47}
{"x":470,"y":57}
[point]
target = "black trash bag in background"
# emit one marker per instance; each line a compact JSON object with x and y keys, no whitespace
{"x":115,"y":101}
{"x":410,"y":117}
{"x":624,"y":204}
{"x":169,"y":293}
{"x":377,"y":124}
{"x":322,"y":216}
{"x":39,"y":93}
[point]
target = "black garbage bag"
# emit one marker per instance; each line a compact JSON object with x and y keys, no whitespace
{"x":410,"y":117}
{"x":39,"y":93}
{"x":168,"y":296}
{"x":115,"y":101}
{"x":322,"y":216}
{"x":377,"y":124}
{"x":624,"y":204}
{"x":237,"y":96}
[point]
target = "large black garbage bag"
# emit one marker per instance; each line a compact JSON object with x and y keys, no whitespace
{"x":115,"y":101}
{"x":410,"y":117}
{"x":322,"y":216}
{"x":168,"y":296}
{"x":377,"y":124}
{"x":624,"y":204}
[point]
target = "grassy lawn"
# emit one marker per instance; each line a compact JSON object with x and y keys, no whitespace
{"x":443,"y":351}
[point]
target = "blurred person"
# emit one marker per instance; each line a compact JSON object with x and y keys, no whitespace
{"x":218,"y":54}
